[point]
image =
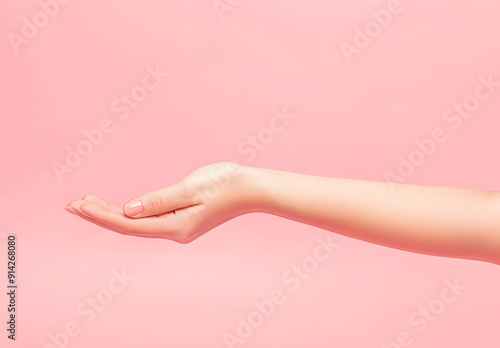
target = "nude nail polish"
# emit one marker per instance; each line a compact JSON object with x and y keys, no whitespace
{"x":133,"y":208}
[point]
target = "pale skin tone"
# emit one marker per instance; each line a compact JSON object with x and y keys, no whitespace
{"x":440,"y":221}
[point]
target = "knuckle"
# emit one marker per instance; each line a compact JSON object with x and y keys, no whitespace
{"x":155,"y":203}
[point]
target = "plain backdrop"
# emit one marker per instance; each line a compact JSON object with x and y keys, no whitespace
{"x":230,"y":70}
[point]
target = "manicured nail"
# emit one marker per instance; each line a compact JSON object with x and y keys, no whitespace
{"x":133,"y":208}
{"x":70,"y":209}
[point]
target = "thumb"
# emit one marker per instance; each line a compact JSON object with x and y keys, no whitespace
{"x":159,"y":202}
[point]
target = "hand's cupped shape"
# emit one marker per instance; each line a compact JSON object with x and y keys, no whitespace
{"x":182,"y":212}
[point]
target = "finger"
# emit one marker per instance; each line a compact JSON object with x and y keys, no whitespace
{"x":71,"y":210}
{"x":74,"y":208}
{"x":155,"y":226}
{"x":103,"y":203}
{"x":90,"y":215}
{"x":159,"y":202}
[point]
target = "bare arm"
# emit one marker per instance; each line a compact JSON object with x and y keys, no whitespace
{"x":440,"y":221}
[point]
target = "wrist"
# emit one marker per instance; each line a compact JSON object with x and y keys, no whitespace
{"x":257,"y":188}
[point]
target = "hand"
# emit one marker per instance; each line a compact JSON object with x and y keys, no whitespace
{"x":204,"y":199}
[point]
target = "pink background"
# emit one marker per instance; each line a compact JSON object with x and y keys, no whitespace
{"x":352,"y":120}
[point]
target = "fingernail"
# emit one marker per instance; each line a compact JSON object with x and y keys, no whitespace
{"x":69,"y":209}
{"x":133,"y":208}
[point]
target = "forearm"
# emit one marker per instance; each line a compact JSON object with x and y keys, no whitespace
{"x":440,"y":221}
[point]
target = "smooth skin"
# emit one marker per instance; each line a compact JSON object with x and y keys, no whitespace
{"x":440,"y":221}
